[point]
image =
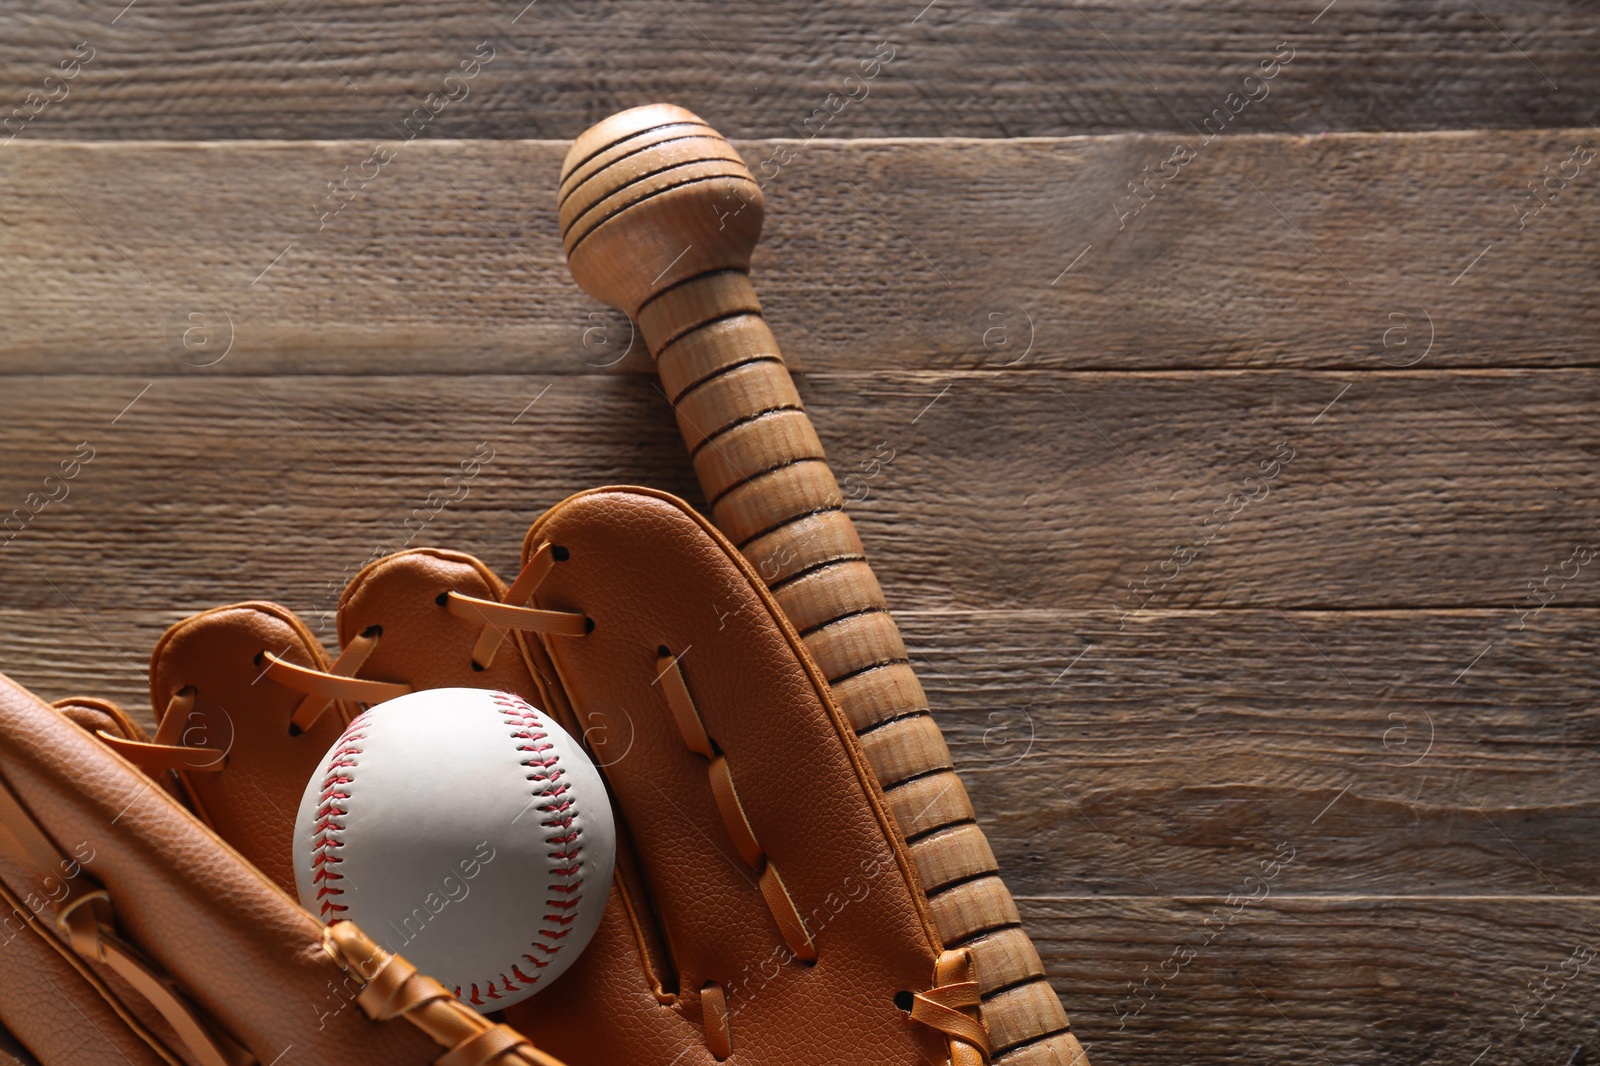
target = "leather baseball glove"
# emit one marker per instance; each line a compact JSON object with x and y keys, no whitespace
{"x":764,"y":907}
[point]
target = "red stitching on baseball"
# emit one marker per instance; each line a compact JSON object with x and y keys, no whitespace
{"x":544,"y":764}
{"x":330,"y":819}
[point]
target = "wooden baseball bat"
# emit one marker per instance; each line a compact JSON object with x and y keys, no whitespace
{"x":659,"y":216}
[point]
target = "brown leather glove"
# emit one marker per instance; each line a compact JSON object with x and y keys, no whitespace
{"x":764,"y":907}
{"x":130,"y":934}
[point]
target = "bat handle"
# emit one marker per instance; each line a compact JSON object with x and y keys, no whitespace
{"x":757,"y":456}
{"x":772,"y":493}
{"x":766,"y":476}
{"x":765,"y":473}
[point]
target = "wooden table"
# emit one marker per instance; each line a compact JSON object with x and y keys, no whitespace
{"x":1242,"y":519}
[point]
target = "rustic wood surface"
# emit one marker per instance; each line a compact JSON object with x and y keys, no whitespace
{"x":1153,"y":685}
{"x":1350,"y":251}
{"x":1007,"y":489}
{"x":180,"y":71}
{"x":1326,"y":979}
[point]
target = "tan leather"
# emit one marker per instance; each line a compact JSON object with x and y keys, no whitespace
{"x":12,"y":1053}
{"x":47,"y":994}
{"x":80,"y":907}
{"x":395,"y":988}
{"x":241,"y":951}
{"x":811,"y":840}
{"x":115,"y":726}
{"x":755,"y":841}
{"x":238,"y":708}
{"x":652,"y":574}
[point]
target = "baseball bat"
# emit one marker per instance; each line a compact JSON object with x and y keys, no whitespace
{"x":659,"y":217}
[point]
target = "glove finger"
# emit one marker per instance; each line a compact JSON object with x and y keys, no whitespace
{"x":787,"y":899}
{"x":213,"y":689}
{"x":97,"y":715}
{"x":110,"y":723}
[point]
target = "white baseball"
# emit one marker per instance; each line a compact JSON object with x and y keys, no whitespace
{"x":465,"y":830}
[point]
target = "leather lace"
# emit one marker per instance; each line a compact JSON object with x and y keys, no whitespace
{"x":83,"y":913}
{"x":946,"y":1007}
{"x":338,"y":683}
{"x":511,"y":610}
{"x":165,"y":751}
{"x":395,"y":989}
{"x":675,"y":688}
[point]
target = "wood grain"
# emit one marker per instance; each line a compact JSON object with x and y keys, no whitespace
{"x":1425,"y":490}
{"x":166,"y":69}
{"x":1265,"y":252}
{"x":1156,"y":760}
{"x":1377,"y":981}
{"x":1130,"y":769}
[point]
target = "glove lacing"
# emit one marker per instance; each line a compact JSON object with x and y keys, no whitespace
{"x":948,"y":1006}
{"x":496,"y":616}
{"x":167,"y":752}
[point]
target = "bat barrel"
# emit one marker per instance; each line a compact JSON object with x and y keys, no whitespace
{"x":661,"y":220}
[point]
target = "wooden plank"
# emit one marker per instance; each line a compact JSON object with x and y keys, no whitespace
{"x":173,"y":70}
{"x":1290,"y":979}
{"x":1431,"y":752}
{"x":1263,"y":252}
{"x":1403,"y":753}
{"x":1107,"y":493}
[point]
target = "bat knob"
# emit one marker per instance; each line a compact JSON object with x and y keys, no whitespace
{"x":653,"y":197}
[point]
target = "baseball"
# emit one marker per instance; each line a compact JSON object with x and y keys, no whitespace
{"x":465,"y":830}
